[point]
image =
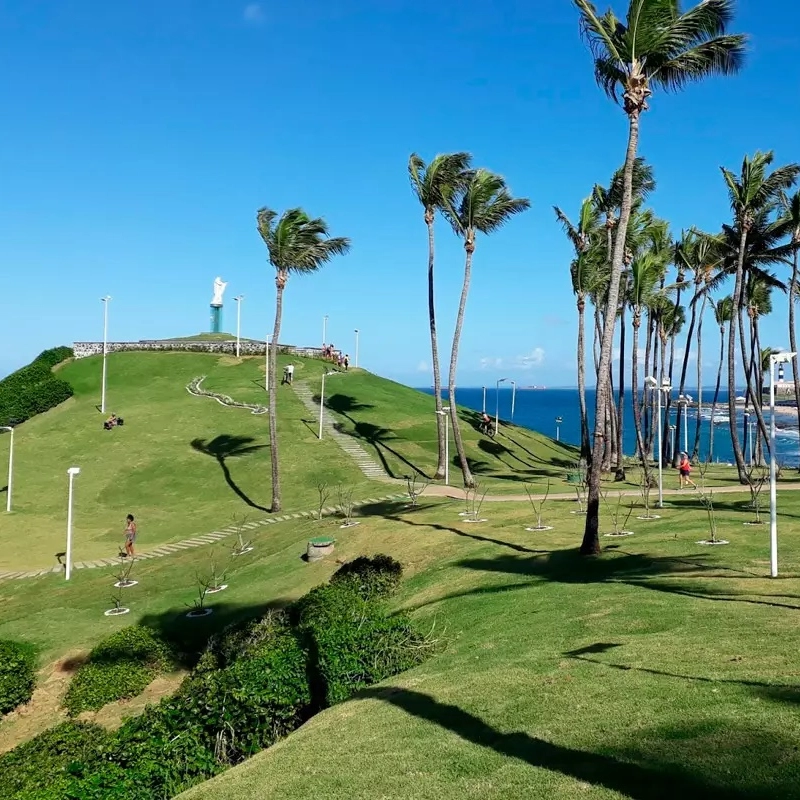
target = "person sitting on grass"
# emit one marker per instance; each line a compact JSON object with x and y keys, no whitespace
{"x":110,"y":422}
{"x":685,"y":469}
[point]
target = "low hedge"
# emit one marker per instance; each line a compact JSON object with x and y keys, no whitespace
{"x":34,"y":389}
{"x":44,"y":768}
{"x":17,"y":674}
{"x":120,"y":666}
{"x":375,"y":577}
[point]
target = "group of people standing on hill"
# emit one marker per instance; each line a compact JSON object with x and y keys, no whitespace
{"x":330,"y":353}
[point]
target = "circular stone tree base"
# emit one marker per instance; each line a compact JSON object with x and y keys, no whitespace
{"x":199,"y":613}
{"x":711,"y":544}
{"x":476,"y":520}
{"x":125,"y":584}
{"x":116,"y":612}
{"x":753,"y":524}
{"x":242,"y":552}
{"x":540,"y":528}
{"x":214,"y":589}
{"x":649,"y":516}
{"x":349,"y":525}
{"x":619,"y":535}
{"x":579,"y":513}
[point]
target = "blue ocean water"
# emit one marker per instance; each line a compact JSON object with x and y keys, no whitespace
{"x":538,"y":408}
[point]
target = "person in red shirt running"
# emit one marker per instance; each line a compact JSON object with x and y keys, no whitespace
{"x":685,"y":470}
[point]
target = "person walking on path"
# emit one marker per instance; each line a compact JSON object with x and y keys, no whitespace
{"x":130,"y":535}
{"x":685,"y":470}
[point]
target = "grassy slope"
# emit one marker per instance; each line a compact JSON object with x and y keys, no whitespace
{"x":662,"y":670}
{"x":149,"y":466}
{"x":397,"y":425}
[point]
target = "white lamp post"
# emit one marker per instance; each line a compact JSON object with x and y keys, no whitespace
{"x":104,"y":301}
{"x":484,"y":399}
{"x":267,"y":343}
{"x":513,"y":398}
{"x":559,"y":420}
{"x":652,"y":383}
{"x":672,"y":440}
{"x":238,"y":300}
{"x":10,"y":465}
{"x":445,"y":412}
{"x":684,"y":401}
{"x":322,"y":401}
{"x":497,"y":405}
{"x":780,"y":359}
{"x":356,"y":364}
{"x":748,"y":445}
{"x":324,"y":330}
{"x":72,"y":472}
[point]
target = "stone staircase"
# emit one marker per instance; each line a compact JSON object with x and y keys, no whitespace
{"x":351,"y":446}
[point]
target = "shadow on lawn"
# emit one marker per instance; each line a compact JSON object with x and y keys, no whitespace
{"x":654,"y":781}
{"x":225,"y":446}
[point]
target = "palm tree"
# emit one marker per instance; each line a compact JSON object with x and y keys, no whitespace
{"x":434,"y":184}
{"x":300,"y":244}
{"x":723,"y":311}
{"x":657,"y":46}
{"x":792,"y":210}
{"x":483,"y":204}
{"x":582,"y":275}
{"x":753,"y":194}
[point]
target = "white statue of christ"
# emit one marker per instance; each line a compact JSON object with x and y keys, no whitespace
{"x":219,"y":288}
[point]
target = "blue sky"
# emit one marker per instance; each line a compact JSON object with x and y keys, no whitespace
{"x":140,"y":138}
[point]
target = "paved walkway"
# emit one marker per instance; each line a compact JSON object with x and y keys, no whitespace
{"x":195,"y":541}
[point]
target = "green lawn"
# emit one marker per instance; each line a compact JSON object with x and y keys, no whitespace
{"x":663,"y":669}
{"x":182,"y":464}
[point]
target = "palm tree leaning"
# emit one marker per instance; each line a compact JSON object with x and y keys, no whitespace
{"x":300,"y":244}
{"x":434,"y":184}
{"x":656,"y":46}
{"x":483,"y":204}
{"x":723,"y":310}
{"x":792,"y":209}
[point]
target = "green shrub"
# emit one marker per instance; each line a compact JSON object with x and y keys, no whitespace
{"x":17,"y":674}
{"x":120,"y":666}
{"x":43,"y":767}
{"x":376,"y":577}
{"x":352,"y":642}
{"x":34,"y":389}
{"x":242,"y":639}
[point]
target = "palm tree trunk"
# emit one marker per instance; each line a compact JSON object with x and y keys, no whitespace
{"x":637,"y":412}
{"x":620,"y":474}
{"x":585,"y":446}
{"x":716,"y":391}
{"x":469,"y":481}
{"x":675,"y":448}
{"x":280,"y":285}
{"x":591,"y":534}
{"x":682,"y":417}
{"x":648,"y":352}
{"x":793,"y":334}
{"x":764,"y":439}
{"x":441,"y":430}
{"x":737,"y":296}
{"x":699,"y":415}
{"x":596,"y":341}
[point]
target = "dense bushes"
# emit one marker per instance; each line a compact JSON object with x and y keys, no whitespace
{"x":17,"y":674}
{"x":376,"y":576}
{"x":34,"y":389}
{"x":120,"y":666}
{"x":255,"y":683}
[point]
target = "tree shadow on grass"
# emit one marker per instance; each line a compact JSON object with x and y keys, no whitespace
{"x":655,"y":781}
{"x":225,"y":446}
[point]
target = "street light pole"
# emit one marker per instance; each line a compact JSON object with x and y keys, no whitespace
{"x":322,"y":402}
{"x":238,"y":300}
{"x":513,"y":398}
{"x":484,"y":399}
{"x":497,"y":404}
{"x":445,"y":412}
{"x":72,"y":472}
{"x":10,"y":465}
{"x":356,"y":364}
{"x":652,"y":383}
{"x":104,"y":301}
{"x":780,"y":359}
{"x":559,"y":420}
{"x":324,"y":330}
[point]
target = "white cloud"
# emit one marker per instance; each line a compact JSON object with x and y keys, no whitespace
{"x":423,"y":366}
{"x":491,"y":363}
{"x":532,"y":359}
{"x":254,"y":13}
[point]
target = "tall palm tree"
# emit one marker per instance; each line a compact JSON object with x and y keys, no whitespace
{"x":753,"y":193}
{"x":483,"y":204}
{"x":434,"y":184}
{"x":582,"y":274}
{"x":657,"y":46}
{"x":791,"y":207}
{"x":296,"y":243}
{"x":723,"y":311}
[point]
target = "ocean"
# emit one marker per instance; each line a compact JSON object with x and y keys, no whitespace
{"x":537,"y":409}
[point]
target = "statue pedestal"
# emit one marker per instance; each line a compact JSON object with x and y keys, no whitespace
{"x":216,"y":318}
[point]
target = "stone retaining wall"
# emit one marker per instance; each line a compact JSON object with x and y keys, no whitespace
{"x":247,"y":347}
